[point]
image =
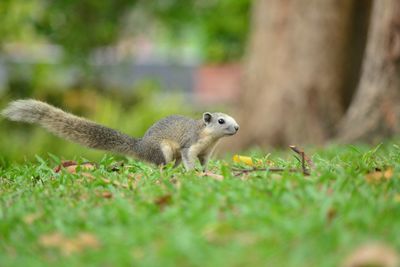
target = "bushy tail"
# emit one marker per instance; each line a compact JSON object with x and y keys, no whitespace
{"x":70,"y":127}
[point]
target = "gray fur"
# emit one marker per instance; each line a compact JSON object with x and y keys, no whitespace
{"x":184,"y":138}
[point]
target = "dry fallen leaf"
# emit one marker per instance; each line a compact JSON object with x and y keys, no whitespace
{"x":64,"y":164}
{"x":106,"y":194}
{"x":379,"y":175}
{"x":71,"y":166}
{"x":331,"y":214}
{"x":88,"y":240}
{"x":52,"y":240}
{"x":215,"y":176}
{"x":66,"y":245}
{"x":88,"y":175}
{"x":107,"y":181}
{"x":373,"y":254}
{"x":84,"y":166}
{"x":163,"y":201}
{"x":118,"y":184}
{"x":31,"y":218}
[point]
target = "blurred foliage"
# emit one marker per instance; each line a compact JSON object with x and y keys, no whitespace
{"x":17,"y":19}
{"x":79,"y":26}
{"x":223,"y":24}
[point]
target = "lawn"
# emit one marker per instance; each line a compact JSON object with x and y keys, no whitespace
{"x":139,"y":215}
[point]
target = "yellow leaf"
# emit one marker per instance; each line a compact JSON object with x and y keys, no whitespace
{"x":246,"y":160}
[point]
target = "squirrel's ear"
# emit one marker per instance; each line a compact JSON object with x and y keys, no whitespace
{"x":207,"y":117}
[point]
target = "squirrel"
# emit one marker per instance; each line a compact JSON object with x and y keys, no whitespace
{"x":172,"y":138}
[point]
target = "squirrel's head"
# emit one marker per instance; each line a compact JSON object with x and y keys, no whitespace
{"x":220,"y":124}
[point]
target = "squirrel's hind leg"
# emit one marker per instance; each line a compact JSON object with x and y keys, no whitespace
{"x":170,"y":152}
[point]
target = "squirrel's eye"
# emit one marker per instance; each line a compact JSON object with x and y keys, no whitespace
{"x":221,"y":121}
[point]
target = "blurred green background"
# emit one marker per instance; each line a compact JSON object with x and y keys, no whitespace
{"x":115,"y":62}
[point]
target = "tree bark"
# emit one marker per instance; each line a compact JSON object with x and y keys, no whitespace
{"x":375,"y":111}
{"x":296,"y":74}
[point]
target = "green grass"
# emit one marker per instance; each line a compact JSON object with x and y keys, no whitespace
{"x":142,"y":216}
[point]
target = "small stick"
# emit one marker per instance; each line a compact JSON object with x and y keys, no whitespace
{"x":272,"y":169}
{"x":303,"y":159}
{"x":303,"y":155}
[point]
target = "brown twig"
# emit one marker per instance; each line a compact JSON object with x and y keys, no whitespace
{"x":271,"y":169}
{"x":303,"y":159}
{"x":303,"y":155}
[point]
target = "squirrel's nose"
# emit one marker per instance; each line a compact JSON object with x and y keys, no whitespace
{"x":236,"y":128}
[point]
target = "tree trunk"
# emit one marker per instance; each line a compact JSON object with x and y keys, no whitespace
{"x":296,"y":73}
{"x":375,"y":110}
